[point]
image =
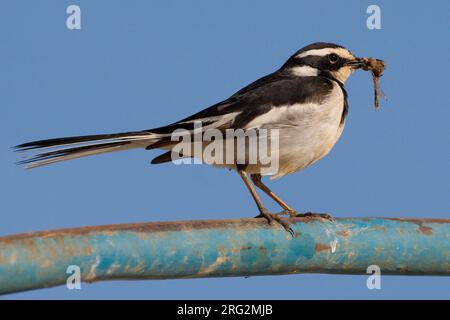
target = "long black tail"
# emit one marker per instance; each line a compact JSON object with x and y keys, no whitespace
{"x":61,"y":149}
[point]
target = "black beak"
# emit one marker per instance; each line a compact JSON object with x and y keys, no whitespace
{"x":355,"y":64}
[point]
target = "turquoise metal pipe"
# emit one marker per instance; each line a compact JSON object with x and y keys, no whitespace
{"x":223,"y":248}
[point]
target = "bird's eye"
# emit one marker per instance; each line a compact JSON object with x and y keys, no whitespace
{"x":333,"y":58}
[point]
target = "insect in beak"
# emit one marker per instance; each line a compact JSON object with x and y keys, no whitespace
{"x":376,"y":68}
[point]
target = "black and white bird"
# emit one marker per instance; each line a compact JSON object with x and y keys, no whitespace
{"x":305,"y":100}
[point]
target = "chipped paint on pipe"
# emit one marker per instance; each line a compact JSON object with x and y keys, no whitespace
{"x":222,"y":248}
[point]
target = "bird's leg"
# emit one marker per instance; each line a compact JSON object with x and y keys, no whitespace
{"x":256,"y":178}
{"x":262,"y":210}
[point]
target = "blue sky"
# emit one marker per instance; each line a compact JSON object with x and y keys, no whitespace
{"x":142,"y":64}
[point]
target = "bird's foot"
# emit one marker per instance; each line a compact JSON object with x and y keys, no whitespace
{"x":271,"y":217}
{"x":289,"y":212}
{"x":314,"y":215}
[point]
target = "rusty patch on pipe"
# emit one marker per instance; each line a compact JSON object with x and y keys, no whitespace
{"x":319,"y":247}
{"x":421,"y":228}
{"x":425,"y":230}
{"x":343,"y":233}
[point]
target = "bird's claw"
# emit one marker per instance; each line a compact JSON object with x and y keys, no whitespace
{"x":271,"y":217}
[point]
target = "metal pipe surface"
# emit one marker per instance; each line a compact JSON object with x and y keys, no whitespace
{"x":224,"y":248}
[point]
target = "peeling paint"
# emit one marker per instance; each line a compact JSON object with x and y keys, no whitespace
{"x":92,"y":271}
{"x":319,"y":247}
{"x":333,"y":245}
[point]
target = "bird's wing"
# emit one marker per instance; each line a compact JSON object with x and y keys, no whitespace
{"x":264,"y":103}
{"x":253,"y":101}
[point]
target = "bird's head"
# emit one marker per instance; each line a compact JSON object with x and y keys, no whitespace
{"x":323,"y":59}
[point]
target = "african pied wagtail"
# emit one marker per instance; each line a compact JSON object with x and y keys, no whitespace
{"x":305,"y":100}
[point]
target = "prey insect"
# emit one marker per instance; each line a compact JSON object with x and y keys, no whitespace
{"x":376,"y":68}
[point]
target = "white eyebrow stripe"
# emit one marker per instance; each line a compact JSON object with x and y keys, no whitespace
{"x":325,"y":51}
